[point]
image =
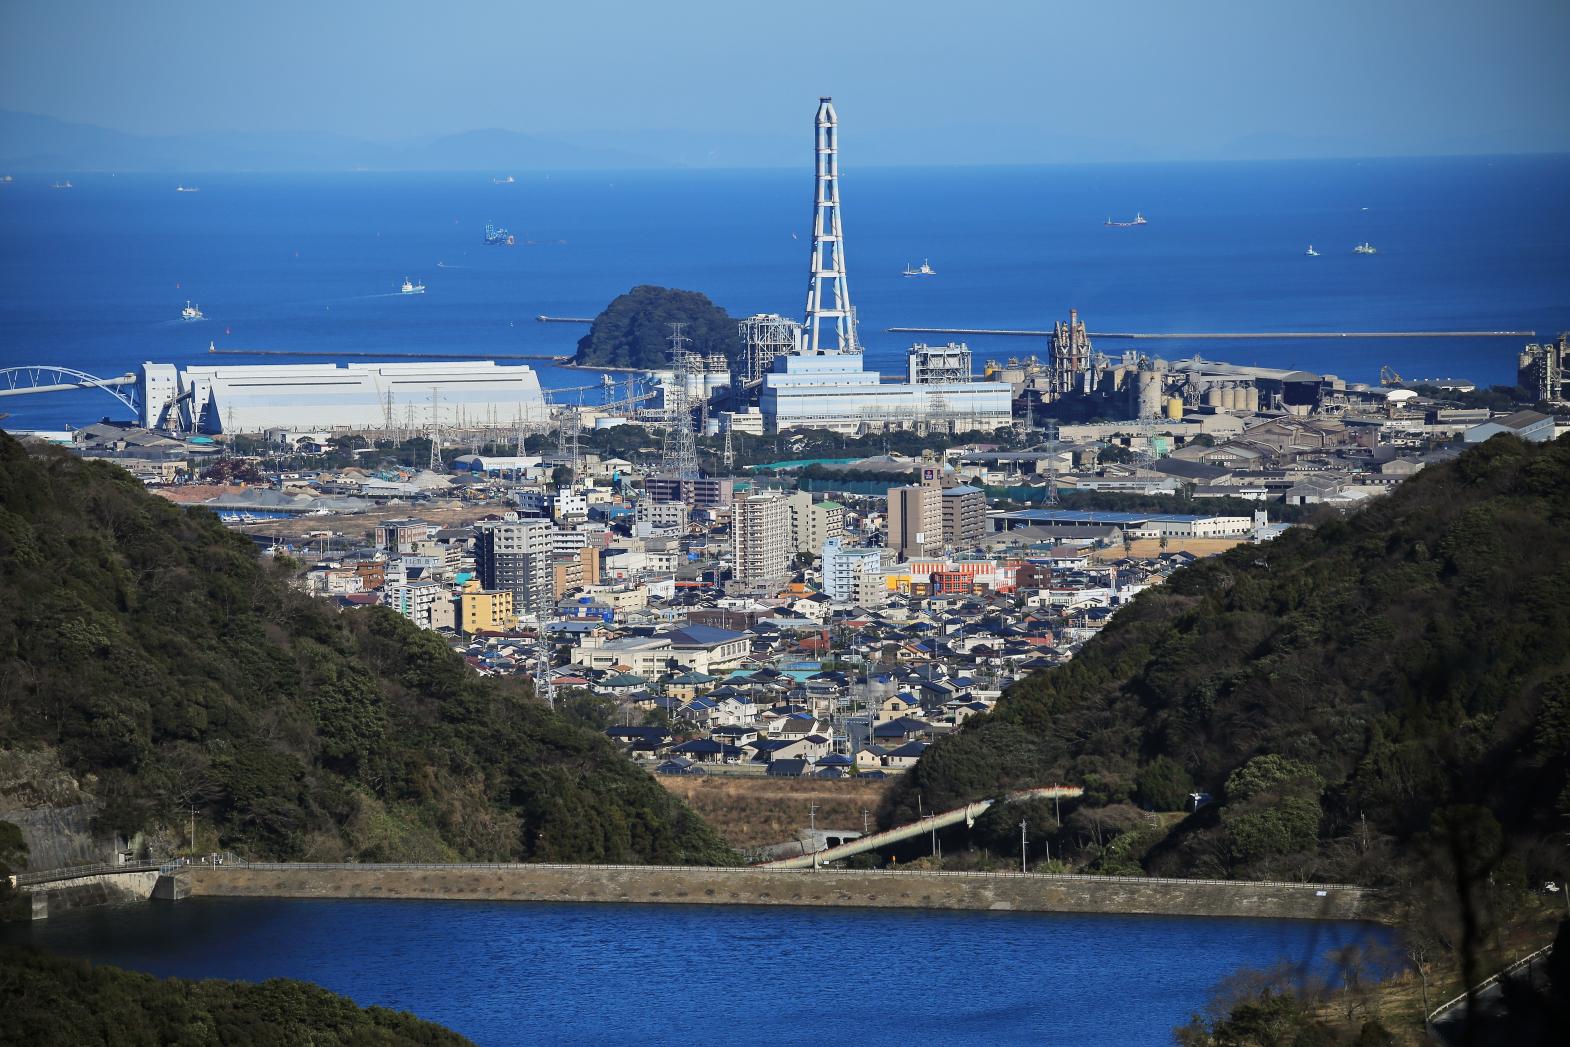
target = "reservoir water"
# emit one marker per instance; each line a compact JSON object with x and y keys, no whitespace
{"x":590,"y":974}
{"x":94,"y":277}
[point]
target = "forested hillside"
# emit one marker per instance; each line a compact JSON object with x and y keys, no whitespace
{"x":634,"y":330}
{"x":71,"y":1003}
{"x":1377,"y":698}
{"x":171,"y":667}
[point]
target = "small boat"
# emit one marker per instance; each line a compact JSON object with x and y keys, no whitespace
{"x":63,"y":185}
{"x":410,"y":287}
{"x":6,"y":179}
{"x":187,"y":189}
{"x":190,"y":312}
{"x":1311,"y":252}
{"x":1365,"y":248}
{"x":921,"y":270}
{"x":1138,"y":219}
{"x":509,"y":180}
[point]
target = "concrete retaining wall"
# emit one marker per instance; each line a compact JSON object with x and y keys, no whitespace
{"x":908,"y":890}
{"x":64,"y":895}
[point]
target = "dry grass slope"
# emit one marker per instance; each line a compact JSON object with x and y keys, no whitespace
{"x":756,"y":812}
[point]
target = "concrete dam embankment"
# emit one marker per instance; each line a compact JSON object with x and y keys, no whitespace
{"x":755,"y":886}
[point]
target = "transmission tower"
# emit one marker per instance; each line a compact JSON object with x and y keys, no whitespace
{"x":436,"y":432}
{"x":1051,"y":432}
{"x":729,"y":457}
{"x":680,"y":453}
{"x":544,"y":686}
{"x":567,"y":448}
{"x":828,"y":296}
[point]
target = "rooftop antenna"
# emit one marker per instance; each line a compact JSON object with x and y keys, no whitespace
{"x":828,"y":295}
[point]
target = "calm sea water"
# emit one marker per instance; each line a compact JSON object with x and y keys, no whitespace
{"x":94,"y":277}
{"x":580,"y":974}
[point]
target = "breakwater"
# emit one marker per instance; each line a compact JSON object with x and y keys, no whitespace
{"x":756,"y":886}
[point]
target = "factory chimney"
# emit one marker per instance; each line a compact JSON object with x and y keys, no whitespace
{"x":828,"y":296}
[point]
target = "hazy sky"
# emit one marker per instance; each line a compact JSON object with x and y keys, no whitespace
{"x":1013,"y":81}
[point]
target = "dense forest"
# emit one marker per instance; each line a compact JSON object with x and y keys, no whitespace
{"x":634,"y":330}
{"x":51,"y":1001}
{"x":171,"y":667}
{"x":1381,"y":698}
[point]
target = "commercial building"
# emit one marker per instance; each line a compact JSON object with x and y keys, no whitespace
{"x":813,"y":523}
{"x":964,"y":516}
{"x":400,"y":536}
{"x":1528,"y":425}
{"x":853,"y":576}
{"x":517,"y":555}
{"x":916,"y":519}
{"x":709,"y":492}
{"x":1164,"y":525}
{"x":760,"y":538}
{"x":361,"y":396}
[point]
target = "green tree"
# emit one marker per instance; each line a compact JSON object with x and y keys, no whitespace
{"x":634,"y":329}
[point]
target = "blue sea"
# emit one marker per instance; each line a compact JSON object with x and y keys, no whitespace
{"x":519,"y":973}
{"x":94,"y":277}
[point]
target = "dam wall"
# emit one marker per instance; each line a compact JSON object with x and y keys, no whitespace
{"x":1008,"y":892}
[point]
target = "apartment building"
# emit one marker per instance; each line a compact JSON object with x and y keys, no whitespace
{"x":964,"y":516}
{"x":518,"y":555}
{"x":813,"y":523}
{"x":485,"y":610}
{"x":916,"y":519}
{"x":853,"y":576}
{"x":760,"y":538}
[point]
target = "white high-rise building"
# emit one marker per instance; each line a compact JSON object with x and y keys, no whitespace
{"x":853,"y":576}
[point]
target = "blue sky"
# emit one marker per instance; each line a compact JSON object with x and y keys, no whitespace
{"x":915,"y":80}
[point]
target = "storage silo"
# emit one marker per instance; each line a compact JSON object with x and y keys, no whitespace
{"x":1175,"y":408}
{"x":1213,"y":395}
{"x":1252,"y":403}
{"x":1149,"y":393}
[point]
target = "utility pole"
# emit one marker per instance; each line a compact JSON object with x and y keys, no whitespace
{"x":1022,"y":846}
{"x":812,"y":833}
{"x":193,"y":828}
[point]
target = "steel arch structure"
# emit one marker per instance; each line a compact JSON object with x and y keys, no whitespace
{"x":25,"y":379}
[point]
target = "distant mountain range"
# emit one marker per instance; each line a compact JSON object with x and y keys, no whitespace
{"x":40,"y":143}
{"x":29,"y":142}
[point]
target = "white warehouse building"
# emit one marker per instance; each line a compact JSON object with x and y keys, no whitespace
{"x":252,"y":399}
{"x":834,"y":391}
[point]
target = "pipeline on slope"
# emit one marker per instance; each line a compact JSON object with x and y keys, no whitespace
{"x":967,"y":814}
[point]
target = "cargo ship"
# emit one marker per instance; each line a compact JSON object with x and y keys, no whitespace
{"x":924,"y":269}
{"x":1138,"y":219}
{"x":190,"y":312}
{"x":1365,"y":248}
{"x":494,"y":235}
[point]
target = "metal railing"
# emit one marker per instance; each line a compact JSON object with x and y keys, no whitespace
{"x":76,"y":872}
{"x":1487,"y":983}
{"x":752,"y":870}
